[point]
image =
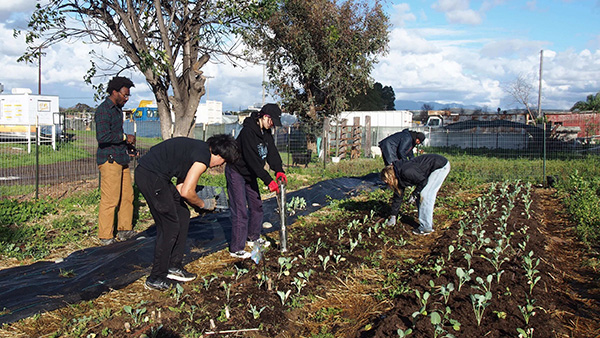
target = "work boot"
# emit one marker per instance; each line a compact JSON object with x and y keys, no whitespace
{"x":124,"y":235}
{"x":107,"y":241}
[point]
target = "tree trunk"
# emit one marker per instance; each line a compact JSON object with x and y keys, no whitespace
{"x":164,"y":113}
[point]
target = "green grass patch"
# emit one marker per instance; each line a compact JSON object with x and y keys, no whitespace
{"x":15,"y":155}
{"x":24,"y":233}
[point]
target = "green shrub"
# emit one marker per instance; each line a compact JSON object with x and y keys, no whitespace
{"x":582,"y":197}
{"x":13,"y":212}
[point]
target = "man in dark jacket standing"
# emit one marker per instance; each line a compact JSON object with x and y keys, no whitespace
{"x":116,"y":191}
{"x":399,"y":146}
{"x":184,"y":159}
{"x":257,"y":147}
{"x":426,"y":173}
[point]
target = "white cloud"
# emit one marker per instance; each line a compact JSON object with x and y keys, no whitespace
{"x":531,"y":5}
{"x":402,"y":40}
{"x":458,"y":12}
{"x":401,"y":15}
{"x":17,"y":6}
{"x":467,"y":17}
{"x":512,"y":48}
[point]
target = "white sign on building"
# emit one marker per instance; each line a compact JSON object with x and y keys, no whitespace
{"x":210,"y":112}
{"x":21,"y":108}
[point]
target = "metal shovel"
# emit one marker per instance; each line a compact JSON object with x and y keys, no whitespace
{"x":281,"y":202}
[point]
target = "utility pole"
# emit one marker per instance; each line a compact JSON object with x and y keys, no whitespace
{"x":207,"y":77}
{"x":263,"y":86}
{"x":40,"y":71}
{"x":540,"y":114}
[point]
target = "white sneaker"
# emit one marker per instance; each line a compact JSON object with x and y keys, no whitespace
{"x":262,"y":242}
{"x":240,"y":254}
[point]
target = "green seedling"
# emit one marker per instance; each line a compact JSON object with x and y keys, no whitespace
{"x":324,"y":261}
{"x":404,"y":333}
{"x":299,"y":283}
{"x":439,"y":267}
{"x":500,"y":314}
{"x":319,"y":245}
{"x":177,"y":292}
{"x":486,"y":285}
{"x":463,"y":276}
{"x":341,"y":233}
{"x":307,"y":251}
{"x":445,"y":291}
{"x":256,"y":312}
{"x":436,"y":321}
{"x":283,"y":296}
{"x":450,"y":251}
{"x":262,"y":279}
{"x":528,"y":333}
{"x":240,"y":272}
{"x":306,"y":274}
{"x":468,"y":258}
{"x":227,"y":288}
{"x":338,"y":258}
{"x":285,"y":264}
{"x":136,"y":314}
{"x":496,"y":260}
{"x":207,"y":281}
{"x":528,"y":310}
{"x":530,"y":265}
{"x":480,"y":303}
{"x":423,"y":299}
{"x":353,"y":244}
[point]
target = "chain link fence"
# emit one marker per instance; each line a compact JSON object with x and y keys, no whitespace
{"x":45,"y":162}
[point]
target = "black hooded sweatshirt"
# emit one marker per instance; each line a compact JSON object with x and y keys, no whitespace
{"x":416,"y":171}
{"x":257,"y":147}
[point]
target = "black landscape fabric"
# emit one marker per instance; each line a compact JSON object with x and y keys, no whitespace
{"x":86,"y":274}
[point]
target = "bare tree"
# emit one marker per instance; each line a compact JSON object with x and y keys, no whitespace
{"x":167,"y":41}
{"x":521,"y":90}
{"x":424,"y":112}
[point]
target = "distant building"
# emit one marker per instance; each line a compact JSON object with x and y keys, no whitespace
{"x":584,"y":124}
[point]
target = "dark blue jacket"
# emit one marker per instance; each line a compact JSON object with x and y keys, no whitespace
{"x":397,"y":146}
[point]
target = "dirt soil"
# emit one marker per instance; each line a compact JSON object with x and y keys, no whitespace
{"x":348,"y":275}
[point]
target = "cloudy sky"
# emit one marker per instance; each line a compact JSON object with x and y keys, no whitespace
{"x":448,"y":51}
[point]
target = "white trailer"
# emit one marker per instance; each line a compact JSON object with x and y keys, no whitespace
{"x":24,"y":116}
{"x":383,"y":118}
{"x":383,"y":123}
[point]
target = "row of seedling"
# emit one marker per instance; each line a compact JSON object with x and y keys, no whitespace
{"x":494,"y":247}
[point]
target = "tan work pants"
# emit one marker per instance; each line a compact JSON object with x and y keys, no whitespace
{"x":116,"y":193}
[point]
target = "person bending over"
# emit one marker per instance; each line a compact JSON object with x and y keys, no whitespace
{"x":426,"y":173}
{"x":184,"y":159}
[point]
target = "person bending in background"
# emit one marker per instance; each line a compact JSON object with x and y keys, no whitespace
{"x":399,"y":146}
{"x":112,"y":157}
{"x":426,"y":173}
{"x":184,"y":159}
{"x":257,"y":147}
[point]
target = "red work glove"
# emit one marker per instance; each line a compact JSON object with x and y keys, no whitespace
{"x":281,"y":175}
{"x":273,"y":186}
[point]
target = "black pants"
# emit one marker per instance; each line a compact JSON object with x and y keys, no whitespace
{"x":172,"y":218}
